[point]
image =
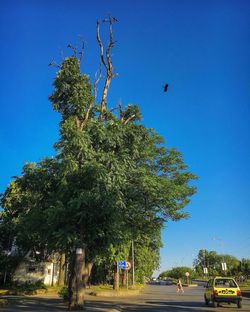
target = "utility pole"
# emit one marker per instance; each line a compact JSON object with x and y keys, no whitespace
{"x":133,"y":264}
{"x":223,"y":263}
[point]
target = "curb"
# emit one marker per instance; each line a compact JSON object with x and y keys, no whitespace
{"x":3,"y":302}
{"x":116,"y":308}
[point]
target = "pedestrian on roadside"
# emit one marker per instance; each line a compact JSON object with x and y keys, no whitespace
{"x":179,"y":287}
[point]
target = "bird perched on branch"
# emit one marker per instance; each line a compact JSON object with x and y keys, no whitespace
{"x":165,"y":87}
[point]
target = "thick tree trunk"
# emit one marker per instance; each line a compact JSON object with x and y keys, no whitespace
{"x":76,"y":282}
{"x":105,"y":93}
{"x":116,"y":278}
{"x":61,"y":277}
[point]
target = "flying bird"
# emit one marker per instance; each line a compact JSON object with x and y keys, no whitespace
{"x":165,"y":87}
{"x":114,"y":19}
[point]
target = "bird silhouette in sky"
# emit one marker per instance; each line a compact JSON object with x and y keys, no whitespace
{"x":165,"y":87}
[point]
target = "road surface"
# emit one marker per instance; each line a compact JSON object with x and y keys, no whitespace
{"x":164,"y":298}
{"x":154,"y":299}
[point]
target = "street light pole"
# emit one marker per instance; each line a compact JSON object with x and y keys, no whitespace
{"x":133,"y":263}
{"x":223,"y":264}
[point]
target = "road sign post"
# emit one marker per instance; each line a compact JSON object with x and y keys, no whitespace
{"x":122,"y":264}
{"x":133,"y":264}
{"x":187,"y":276}
{"x":117,"y":276}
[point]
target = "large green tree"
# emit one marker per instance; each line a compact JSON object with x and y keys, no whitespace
{"x":112,"y":179}
{"x":213,"y":262}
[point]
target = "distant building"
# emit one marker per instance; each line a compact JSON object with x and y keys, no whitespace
{"x":30,"y":270}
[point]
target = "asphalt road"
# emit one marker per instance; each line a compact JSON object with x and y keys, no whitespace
{"x":164,"y":298}
{"x":153,"y":299}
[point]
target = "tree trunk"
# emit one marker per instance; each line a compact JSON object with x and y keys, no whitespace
{"x":116,"y":278}
{"x":61,"y":277}
{"x":76,"y":283}
{"x":86,"y":273}
{"x":105,"y":93}
{"x":124,"y":278}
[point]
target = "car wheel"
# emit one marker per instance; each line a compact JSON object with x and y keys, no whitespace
{"x":214,"y":303}
{"x":239,"y":304}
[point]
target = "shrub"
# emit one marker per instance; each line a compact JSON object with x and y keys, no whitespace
{"x":28,"y":286}
{"x":64,"y":293}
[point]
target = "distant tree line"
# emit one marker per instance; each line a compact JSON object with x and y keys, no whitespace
{"x":213,"y":262}
{"x":240,"y":269}
{"x":178,"y":272}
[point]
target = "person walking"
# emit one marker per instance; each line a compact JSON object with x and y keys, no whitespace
{"x":179,"y":287}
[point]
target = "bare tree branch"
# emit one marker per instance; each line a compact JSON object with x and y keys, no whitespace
{"x":100,"y":44}
{"x":107,"y":62}
{"x":98,"y":77}
{"x":73,"y":48}
{"x":81,"y":53}
{"x":62,"y":55}
{"x":54,"y":64}
{"x":129,"y":119}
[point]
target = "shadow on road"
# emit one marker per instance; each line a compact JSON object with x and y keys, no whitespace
{"x":46,"y":304}
{"x":173,"y":306}
{"x":178,"y":303}
{"x":176,"y":306}
{"x":31,"y":304}
{"x":43,"y":304}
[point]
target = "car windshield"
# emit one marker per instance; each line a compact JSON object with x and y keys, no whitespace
{"x":222,"y":282}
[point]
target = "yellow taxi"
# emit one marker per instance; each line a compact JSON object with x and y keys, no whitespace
{"x":222,"y":289}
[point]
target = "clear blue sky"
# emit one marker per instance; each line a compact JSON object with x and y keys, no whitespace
{"x":201,"y":48}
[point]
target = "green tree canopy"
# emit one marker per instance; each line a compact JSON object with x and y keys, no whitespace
{"x":178,"y":272}
{"x":213,"y":262}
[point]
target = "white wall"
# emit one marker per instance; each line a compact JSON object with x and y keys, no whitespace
{"x":32,"y":272}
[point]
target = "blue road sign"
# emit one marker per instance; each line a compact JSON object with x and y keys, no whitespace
{"x":122,"y":264}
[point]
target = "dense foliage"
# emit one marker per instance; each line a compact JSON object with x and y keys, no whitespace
{"x":240,"y":269}
{"x":178,"y":272}
{"x":111,"y":181}
{"x":213,"y":262}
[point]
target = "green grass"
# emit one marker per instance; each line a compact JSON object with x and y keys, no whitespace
{"x":53,"y":288}
{"x":101,"y":287}
{"x":110,"y":287}
{"x":245,"y":284}
{"x":3,"y":291}
{"x":94,"y":290}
